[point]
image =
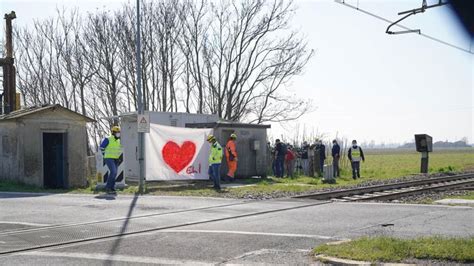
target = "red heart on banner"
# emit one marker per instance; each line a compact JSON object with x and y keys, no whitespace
{"x":178,"y":157}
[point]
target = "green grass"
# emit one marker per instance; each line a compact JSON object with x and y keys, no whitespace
{"x":379,"y":164}
{"x":11,"y":186}
{"x":394,"y":164}
{"x":469,"y":196}
{"x":388,"y":249}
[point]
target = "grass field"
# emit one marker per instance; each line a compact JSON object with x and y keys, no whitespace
{"x":388,"y":249}
{"x":379,"y":164}
{"x":395,"y":163}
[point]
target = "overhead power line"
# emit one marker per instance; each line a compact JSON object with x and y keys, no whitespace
{"x":404,"y":27}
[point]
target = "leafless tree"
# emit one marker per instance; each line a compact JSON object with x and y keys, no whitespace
{"x":101,"y":38}
{"x":248,"y":61}
{"x":234,"y":58}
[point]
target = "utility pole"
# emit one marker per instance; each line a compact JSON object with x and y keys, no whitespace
{"x":141,"y":135}
{"x":9,"y":83}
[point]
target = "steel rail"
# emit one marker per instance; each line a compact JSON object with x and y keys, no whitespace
{"x":381,"y":188}
{"x":83,"y":240}
{"x":390,"y":195}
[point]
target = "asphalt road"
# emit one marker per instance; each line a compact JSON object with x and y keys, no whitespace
{"x":187,"y":230}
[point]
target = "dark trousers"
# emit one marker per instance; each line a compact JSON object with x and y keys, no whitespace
{"x":279,"y":168}
{"x":112,"y":165}
{"x":311,"y":167}
{"x":355,"y":169}
{"x":321,"y":166}
{"x":214,"y":172}
{"x":335,"y":166}
{"x":274,"y":163}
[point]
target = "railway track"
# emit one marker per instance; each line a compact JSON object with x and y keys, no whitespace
{"x":24,"y":240}
{"x":395,"y":191}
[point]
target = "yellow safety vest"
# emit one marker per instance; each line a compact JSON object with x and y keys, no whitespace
{"x":355,"y":153}
{"x":113,"y":149}
{"x":216,"y":153}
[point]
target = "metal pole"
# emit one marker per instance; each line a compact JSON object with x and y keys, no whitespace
{"x":424,"y":162}
{"x":140,"y":104}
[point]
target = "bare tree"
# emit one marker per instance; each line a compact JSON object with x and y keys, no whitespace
{"x":232,"y":58}
{"x":101,"y":38}
{"x":248,"y":61}
{"x":194,"y":22}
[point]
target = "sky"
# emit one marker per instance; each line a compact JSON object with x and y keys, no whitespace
{"x":365,"y":84}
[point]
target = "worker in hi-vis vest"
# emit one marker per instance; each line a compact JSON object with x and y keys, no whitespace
{"x":231,"y":157}
{"x":215,"y":160}
{"x":111,"y":150}
{"x":355,"y":155}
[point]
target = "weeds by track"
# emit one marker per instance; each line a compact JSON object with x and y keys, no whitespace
{"x":396,"y":190}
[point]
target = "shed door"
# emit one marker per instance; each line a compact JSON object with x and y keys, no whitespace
{"x":54,"y":160}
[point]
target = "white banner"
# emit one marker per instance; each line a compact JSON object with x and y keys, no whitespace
{"x":176,"y":153}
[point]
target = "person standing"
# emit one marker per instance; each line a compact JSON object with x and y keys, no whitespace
{"x":322,"y":156}
{"x":336,"y":155}
{"x":111,"y":150}
{"x":290,"y":161}
{"x":231,"y":157}
{"x":280,"y":153}
{"x":312,"y":160}
{"x":215,"y":160}
{"x":305,"y":158}
{"x":355,"y":154}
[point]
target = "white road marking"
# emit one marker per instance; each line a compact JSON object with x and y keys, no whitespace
{"x":23,"y":223}
{"x":122,"y":258}
{"x":250,"y":233}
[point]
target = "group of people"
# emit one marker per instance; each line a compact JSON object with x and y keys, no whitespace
{"x":284,"y":156}
{"x":111,"y":149}
{"x":215,"y":159}
{"x":312,"y":158}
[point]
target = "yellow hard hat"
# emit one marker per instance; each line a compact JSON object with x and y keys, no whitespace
{"x":211,"y":137}
{"x":115,"y":129}
{"x":233,"y":136}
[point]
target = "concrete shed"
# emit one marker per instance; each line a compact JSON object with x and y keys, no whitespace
{"x":251,"y":146}
{"x":129,"y":134}
{"x":44,"y":146}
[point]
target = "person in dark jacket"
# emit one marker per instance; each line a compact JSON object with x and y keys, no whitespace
{"x":336,"y":155}
{"x":305,"y":158}
{"x":280,"y":153}
{"x":355,"y":154}
{"x":321,"y":150}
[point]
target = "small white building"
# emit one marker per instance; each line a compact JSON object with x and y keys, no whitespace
{"x":129,"y":134}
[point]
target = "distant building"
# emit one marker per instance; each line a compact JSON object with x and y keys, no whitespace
{"x":44,"y":146}
{"x":440,"y":145}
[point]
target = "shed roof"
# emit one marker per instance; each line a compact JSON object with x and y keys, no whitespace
{"x":37,"y":109}
{"x":226,"y":124}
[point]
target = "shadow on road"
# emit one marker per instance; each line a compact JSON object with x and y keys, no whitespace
{"x":105,"y":197}
{"x":123,"y":229}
